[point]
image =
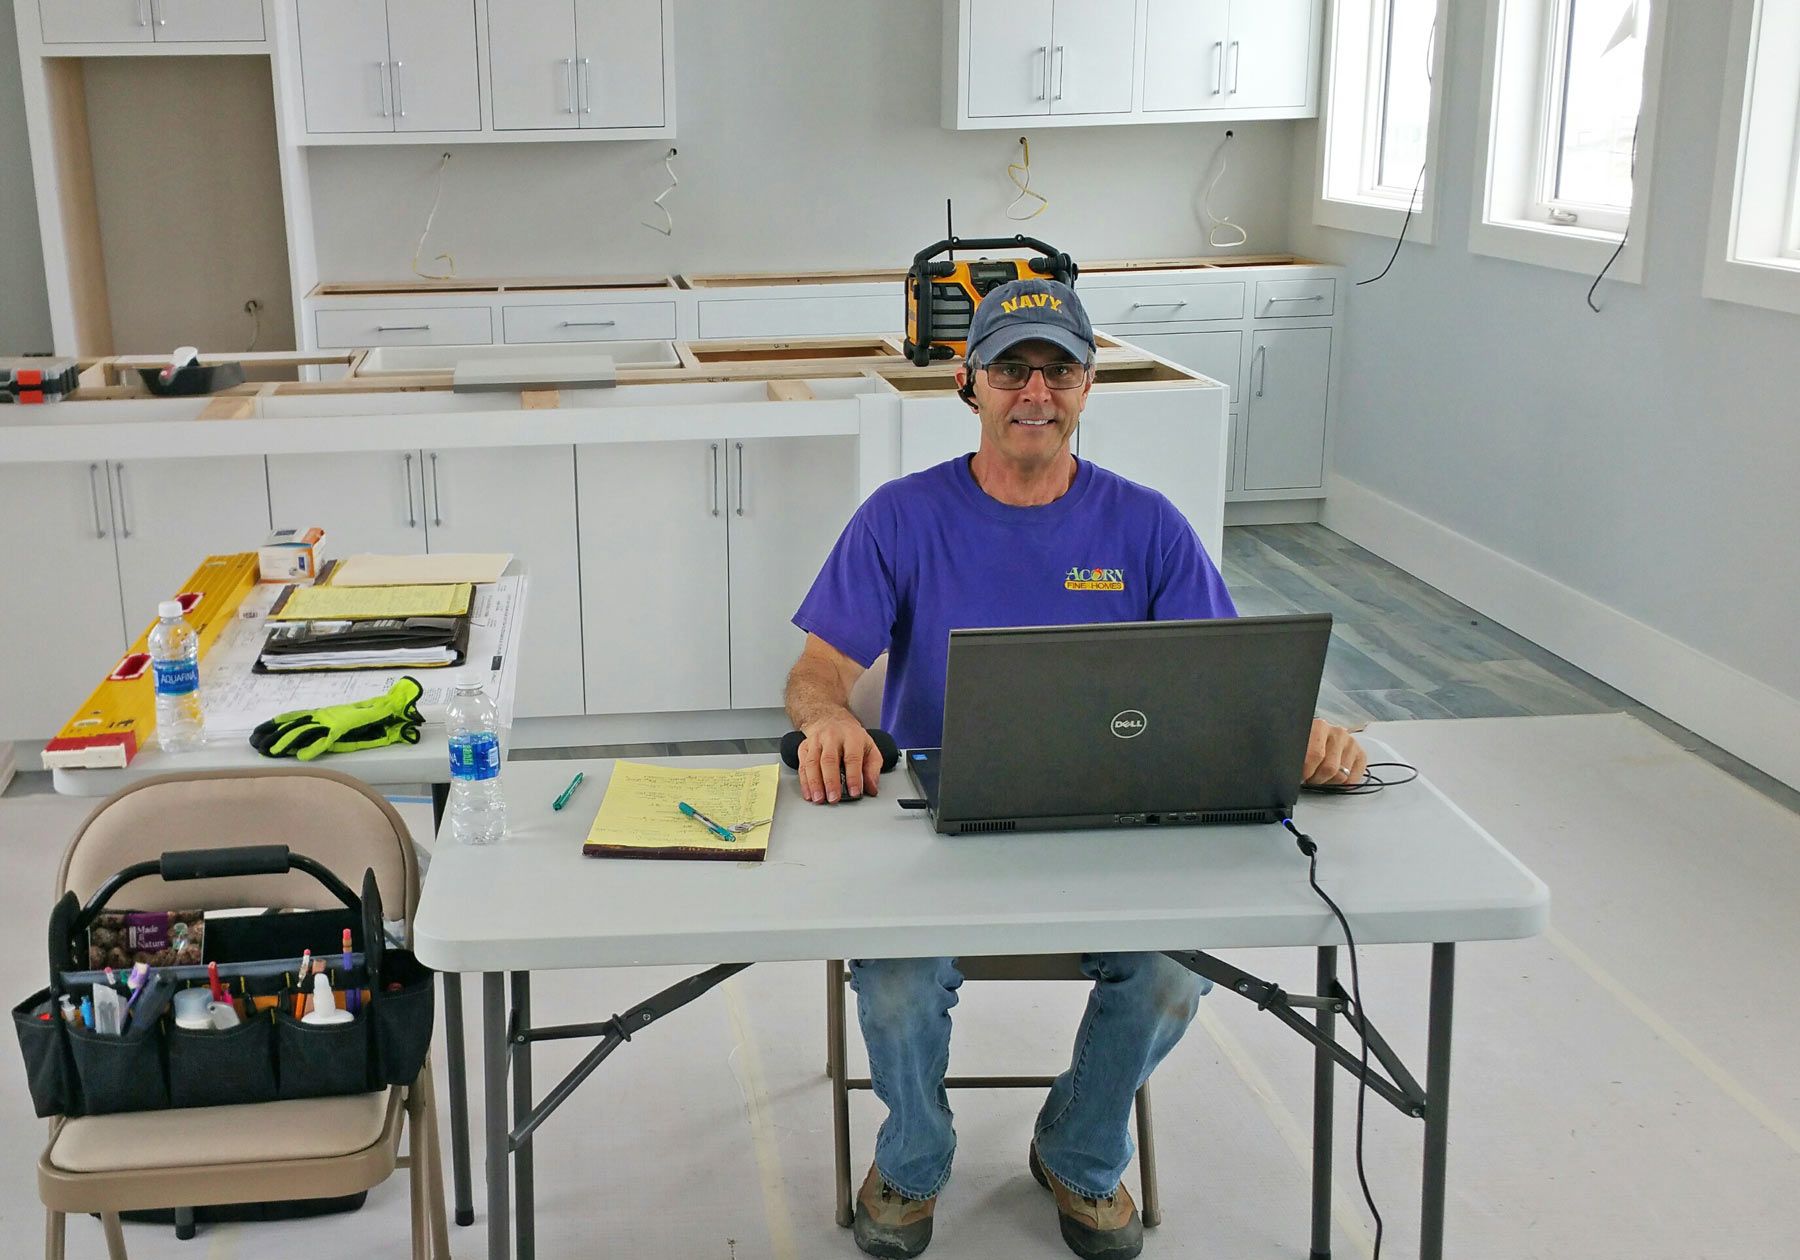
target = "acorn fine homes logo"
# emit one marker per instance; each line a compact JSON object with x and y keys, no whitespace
{"x":1080,"y":579}
{"x":1129,"y":724}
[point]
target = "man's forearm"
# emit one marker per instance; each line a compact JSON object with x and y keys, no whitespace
{"x":815,"y":693}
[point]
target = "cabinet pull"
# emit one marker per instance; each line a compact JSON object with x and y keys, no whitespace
{"x":124,"y":503}
{"x":588,"y":323}
{"x":585,"y":87}
{"x":568,"y":85}
{"x":1062,"y":69}
{"x":403,"y":328}
{"x":1237,"y":63}
{"x":740,"y":451}
{"x":1218,"y":67}
{"x":437,"y":495}
{"x":1040,"y":69}
{"x":412,"y":515}
{"x":381,"y":81}
{"x":1262,"y":366}
{"x":143,"y":12}
{"x":715,"y":479}
{"x":156,"y":8}
{"x":1147,"y":305}
{"x":94,"y":493}
{"x":399,"y":90}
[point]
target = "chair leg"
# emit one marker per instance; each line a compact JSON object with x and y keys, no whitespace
{"x":840,"y":1098}
{"x":55,"y":1235}
{"x":184,"y":1224}
{"x":417,"y":1162}
{"x":115,"y":1236}
{"x":434,"y":1183}
{"x":1152,"y":1205}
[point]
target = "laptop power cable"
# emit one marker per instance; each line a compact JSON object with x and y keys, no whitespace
{"x":1309,"y":847}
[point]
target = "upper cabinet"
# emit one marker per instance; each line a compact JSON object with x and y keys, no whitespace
{"x":1109,"y":62}
{"x":394,"y":66}
{"x":572,"y":64}
{"x":151,"y":21}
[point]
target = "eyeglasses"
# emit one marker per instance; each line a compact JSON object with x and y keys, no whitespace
{"x":1010,"y":374}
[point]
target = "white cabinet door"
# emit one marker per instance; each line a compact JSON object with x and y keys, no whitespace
{"x":520,"y":499}
{"x":344,"y":66}
{"x":60,"y":630}
{"x":655,"y":606}
{"x":1091,"y":53}
{"x":619,"y":71}
{"x":1284,"y":435}
{"x":207,"y":21}
{"x":433,"y":76}
{"x":1269,"y":62}
{"x":1214,"y":354}
{"x":95,"y":22}
{"x":1181,"y":453}
{"x":531,"y":59}
{"x":364,"y":500}
{"x":789,"y":499}
{"x":1009,"y":57}
{"x":173,"y":513}
{"x":1184,"y":54}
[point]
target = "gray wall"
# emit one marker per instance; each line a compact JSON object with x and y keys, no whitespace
{"x":24,"y":312}
{"x":1648,"y":456}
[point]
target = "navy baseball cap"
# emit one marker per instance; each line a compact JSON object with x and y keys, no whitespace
{"x":1030,"y":310}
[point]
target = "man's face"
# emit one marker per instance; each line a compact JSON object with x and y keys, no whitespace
{"x":1030,"y":425}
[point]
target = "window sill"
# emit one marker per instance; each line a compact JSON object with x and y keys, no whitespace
{"x":1564,"y":248}
{"x":1772,"y":283}
{"x":1375,"y":218}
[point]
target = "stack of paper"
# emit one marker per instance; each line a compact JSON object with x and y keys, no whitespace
{"x":641,"y":816}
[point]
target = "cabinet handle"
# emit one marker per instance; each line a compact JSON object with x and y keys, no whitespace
{"x":399,"y":90}
{"x":161,"y":17}
{"x":1040,"y":69}
{"x":124,"y":503}
{"x":715,"y":479}
{"x":585,"y":87}
{"x":143,"y":12}
{"x":1062,"y":69}
{"x":1311,"y":297}
{"x":1262,"y":365}
{"x":437,"y":495}
{"x":1147,"y":305}
{"x":568,"y":85}
{"x":412,"y":515}
{"x":740,"y":451}
{"x":403,"y":328}
{"x":588,"y":323}
{"x":1237,"y":63}
{"x":1218,"y":67}
{"x":94,"y":493}
{"x":381,"y":79}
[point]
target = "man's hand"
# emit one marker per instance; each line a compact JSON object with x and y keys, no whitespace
{"x":838,"y":756}
{"x":1333,"y":757}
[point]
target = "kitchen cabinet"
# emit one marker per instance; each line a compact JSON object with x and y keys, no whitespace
{"x":1284,"y":426}
{"x":389,"y":66}
{"x":577,"y":64}
{"x":1229,"y":54}
{"x":150,"y":21}
{"x":1031,"y":57}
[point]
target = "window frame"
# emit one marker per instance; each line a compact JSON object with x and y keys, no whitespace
{"x":1513,"y":142}
{"x":1552,"y":120}
{"x":1747,"y":261}
{"x":1347,"y":192}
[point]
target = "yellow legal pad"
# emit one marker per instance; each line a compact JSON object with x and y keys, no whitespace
{"x":640,"y":815}
{"x":368,"y":603}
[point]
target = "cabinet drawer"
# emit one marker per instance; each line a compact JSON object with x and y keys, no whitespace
{"x":1163,"y":303}
{"x":597,"y":321}
{"x":803,"y":316}
{"x":1286,"y":299}
{"x":405,"y":326}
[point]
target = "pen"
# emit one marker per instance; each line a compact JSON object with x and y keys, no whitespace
{"x":569,"y":791}
{"x":212,"y":980}
{"x":350,"y":1003}
{"x":721,"y":832}
{"x":300,"y":994}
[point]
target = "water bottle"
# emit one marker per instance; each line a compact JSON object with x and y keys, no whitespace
{"x":175,"y":663}
{"x":477,"y":810}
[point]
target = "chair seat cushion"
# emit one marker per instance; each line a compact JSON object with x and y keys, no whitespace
{"x":316,"y":1128}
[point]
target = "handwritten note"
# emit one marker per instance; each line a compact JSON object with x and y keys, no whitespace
{"x":640,"y":814}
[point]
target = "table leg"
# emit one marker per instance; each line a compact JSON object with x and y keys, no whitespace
{"x":1324,"y":1080}
{"x":1437,"y":1106}
{"x":457,"y":1059}
{"x":494,"y":1048}
{"x":525,"y":1205}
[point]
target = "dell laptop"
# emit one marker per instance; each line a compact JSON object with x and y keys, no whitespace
{"x":1138,"y":724}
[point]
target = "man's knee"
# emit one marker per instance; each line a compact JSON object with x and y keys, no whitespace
{"x":897,"y":992}
{"x":1164,"y":984}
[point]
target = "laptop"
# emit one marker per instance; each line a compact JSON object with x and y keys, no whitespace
{"x":1140,"y":724}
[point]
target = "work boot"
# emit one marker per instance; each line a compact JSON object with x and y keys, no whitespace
{"x":888,"y":1224}
{"x":1095,"y":1229}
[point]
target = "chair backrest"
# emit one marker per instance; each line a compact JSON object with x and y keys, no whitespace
{"x":338,"y":821}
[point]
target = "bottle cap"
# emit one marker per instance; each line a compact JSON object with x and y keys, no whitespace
{"x":170,"y":608}
{"x":471,"y":682}
{"x":191,"y":1008}
{"x":325,"y":1008}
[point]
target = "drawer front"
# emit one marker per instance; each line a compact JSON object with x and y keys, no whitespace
{"x":591,"y":321}
{"x":406,"y":326}
{"x":803,"y":316}
{"x":1162,"y":303}
{"x":1287,"y":299}
{"x":1214,"y":354}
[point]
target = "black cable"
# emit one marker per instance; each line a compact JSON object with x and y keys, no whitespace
{"x":1370,"y":784}
{"x":1401,"y":239}
{"x":1626,"y":234}
{"x":1308,"y":847}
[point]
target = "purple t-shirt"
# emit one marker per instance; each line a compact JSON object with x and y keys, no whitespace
{"x":932,"y":553}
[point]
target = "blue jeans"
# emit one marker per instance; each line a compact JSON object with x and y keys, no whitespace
{"x":1139,"y":1008}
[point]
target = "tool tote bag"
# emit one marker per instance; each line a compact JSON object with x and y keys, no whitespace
{"x":74,"y":1070}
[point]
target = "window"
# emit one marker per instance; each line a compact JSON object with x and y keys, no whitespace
{"x":1567,"y":131}
{"x":1753,"y":249}
{"x":1379,"y":130}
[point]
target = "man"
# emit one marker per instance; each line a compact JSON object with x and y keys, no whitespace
{"x":988,"y":540}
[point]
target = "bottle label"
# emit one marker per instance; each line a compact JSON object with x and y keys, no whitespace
{"x":475,"y":756}
{"x":177,"y":678}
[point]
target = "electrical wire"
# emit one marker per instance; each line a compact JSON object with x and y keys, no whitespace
{"x":1626,"y":234}
{"x":418,"y":249}
{"x":667,"y":227}
{"x":1215,"y":222}
{"x":253,"y":309}
{"x":1411,"y":203}
{"x":1013,"y":171}
{"x":1370,"y":784}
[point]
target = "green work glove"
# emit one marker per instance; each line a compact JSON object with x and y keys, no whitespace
{"x":376,"y":735}
{"x":309,"y":733}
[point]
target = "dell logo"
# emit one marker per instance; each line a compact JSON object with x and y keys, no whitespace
{"x":1129,"y":724}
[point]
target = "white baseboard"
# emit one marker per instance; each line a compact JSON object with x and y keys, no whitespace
{"x":1747,"y":718}
{"x":1272,"y":512}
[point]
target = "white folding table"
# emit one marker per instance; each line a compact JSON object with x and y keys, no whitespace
{"x":1406,"y":865}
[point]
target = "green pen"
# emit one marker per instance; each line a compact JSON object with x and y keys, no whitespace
{"x":724,"y":833}
{"x":569,"y":791}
